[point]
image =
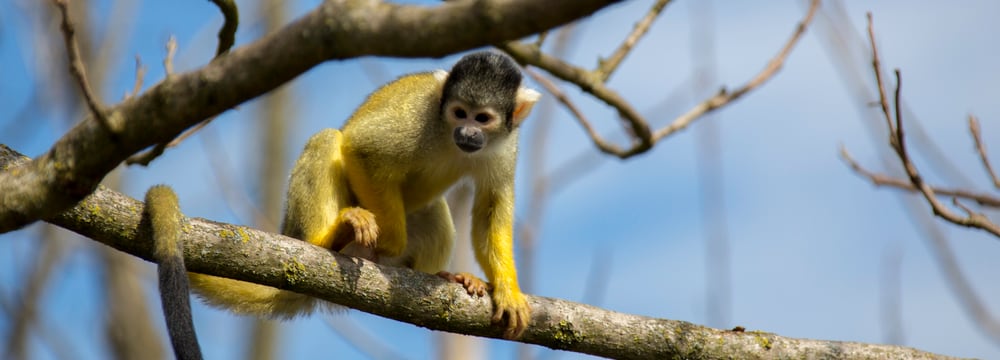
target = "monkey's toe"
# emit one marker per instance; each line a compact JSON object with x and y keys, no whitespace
{"x":473,"y":285}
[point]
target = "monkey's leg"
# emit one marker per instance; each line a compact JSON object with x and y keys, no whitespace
{"x":318,"y":208}
{"x":356,"y":225}
{"x":430,"y":239}
{"x":317,"y":211}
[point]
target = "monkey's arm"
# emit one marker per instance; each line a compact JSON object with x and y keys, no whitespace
{"x":165,"y":220}
{"x":493,"y":240}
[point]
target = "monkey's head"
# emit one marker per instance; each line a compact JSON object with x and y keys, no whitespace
{"x":483,"y":99}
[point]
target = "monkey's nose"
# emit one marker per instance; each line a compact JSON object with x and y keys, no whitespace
{"x":469,"y":139}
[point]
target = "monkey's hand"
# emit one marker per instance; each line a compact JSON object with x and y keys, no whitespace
{"x":473,"y":285}
{"x":357,"y":225}
{"x":510,"y":304}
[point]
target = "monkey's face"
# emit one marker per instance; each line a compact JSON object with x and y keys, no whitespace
{"x":473,"y":125}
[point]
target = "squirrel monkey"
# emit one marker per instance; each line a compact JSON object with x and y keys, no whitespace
{"x":164,"y":216}
{"x":375,"y":188}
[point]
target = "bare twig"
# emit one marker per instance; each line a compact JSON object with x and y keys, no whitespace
{"x":724,"y":97}
{"x":898,"y":142}
{"x":638,"y":126}
{"x":77,"y":69}
{"x":877,"y":65}
{"x":147,"y":157}
{"x":851,"y":53}
{"x":644,"y":140}
{"x":885,"y":180}
{"x":541,"y":39}
{"x":608,"y":66}
{"x":140,"y":76}
{"x":981,"y":149}
{"x":842,"y":41}
{"x":227,"y":34}
{"x":561,"y":96}
{"x":168,"y":60}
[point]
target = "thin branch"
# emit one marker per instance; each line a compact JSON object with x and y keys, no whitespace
{"x":723,"y":97}
{"x":886,"y":180}
{"x":644,"y":140}
{"x":541,"y":38}
{"x":975,"y":309}
{"x":168,"y":60}
{"x":140,"y":76}
{"x":608,"y":66}
{"x":426,"y":300}
{"x":147,"y":157}
{"x":590,"y":83}
{"x":981,"y":149}
{"x":227,"y":34}
{"x":77,"y":68}
{"x":877,"y":65}
{"x":168,"y":69}
{"x":561,"y":96}
{"x":974,"y":220}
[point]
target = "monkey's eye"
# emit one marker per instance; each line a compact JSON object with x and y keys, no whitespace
{"x":460,"y":113}
{"x":482,"y":117}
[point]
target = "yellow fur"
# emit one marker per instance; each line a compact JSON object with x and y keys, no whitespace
{"x":388,"y":168}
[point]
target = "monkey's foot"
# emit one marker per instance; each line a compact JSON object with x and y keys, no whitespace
{"x":358,"y":225}
{"x":473,"y":285}
{"x":511,"y":307}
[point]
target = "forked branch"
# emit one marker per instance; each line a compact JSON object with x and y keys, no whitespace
{"x":594,"y":83}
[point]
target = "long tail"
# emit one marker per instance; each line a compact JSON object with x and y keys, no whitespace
{"x":246,"y":298}
{"x":165,"y":217}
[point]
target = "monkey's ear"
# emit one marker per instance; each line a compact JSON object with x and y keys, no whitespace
{"x":524,"y":102}
{"x":441,"y":75}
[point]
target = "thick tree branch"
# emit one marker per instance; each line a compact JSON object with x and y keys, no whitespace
{"x":428,"y":301}
{"x":77,"y":162}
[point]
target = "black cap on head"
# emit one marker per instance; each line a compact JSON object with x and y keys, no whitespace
{"x":484,"y":78}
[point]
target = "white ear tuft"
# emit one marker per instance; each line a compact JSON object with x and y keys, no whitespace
{"x":440,"y":75}
{"x":525,"y":101}
{"x":528,"y":95}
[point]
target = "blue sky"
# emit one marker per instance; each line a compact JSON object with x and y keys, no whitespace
{"x":808,"y":238}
